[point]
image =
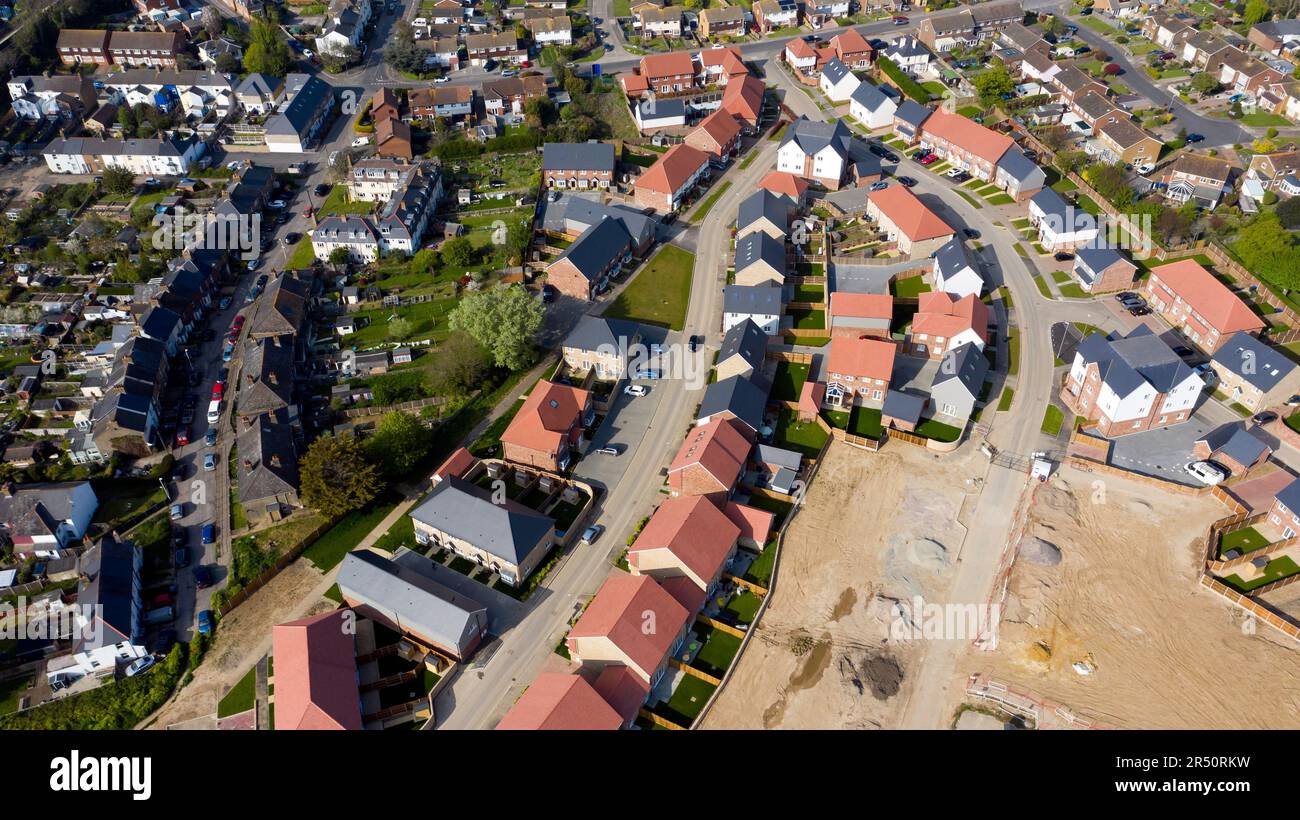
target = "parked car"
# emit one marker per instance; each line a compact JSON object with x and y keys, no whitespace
{"x":900,"y":20}
{"x":1194,"y":138}
{"x":929,"y":159}
{"x":180,"y":536}
{"x":906,"y":182}
{"x":1265,"y":417}
{"x":277,"y":204}
{"x":322,"y":189}
{"x":182,"y":557}
{"x":879,"y":186}
{"x":360,"y":142}
{"x":1206,"y":472}
{"x":183,"y":435}
{"x":593,"y":532}
{"x":209,"y":533}
{"x":202,"y":576}
{"x":636,"y":390}
{"x":971,"y":233}
{"x":608,"y":451}
{"x":209,"y":462}
{"x":225,"y":302}
{"x":139,"y":665}
{"x":205,"y":622}
{"x":694,"y":343}
{"x":292,"y":238}
{"x":878,"y":150}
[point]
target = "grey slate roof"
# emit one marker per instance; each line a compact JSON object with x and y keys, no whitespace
{"x":760,"y":300}
{"x":1051,"y":204}
{"x":403,"y":593}
{"x":268,"y":466}
{"x":1020,"y":167}
{"x":812,"y":136}
{"x":112,"y":585}
{"x":742,"y":397}
{"x":463,"y":510}
{"x":1127,"y":363}
{"x":1270,"y":366}
{"x":594,"y":332}
{"x":575,"y":213}
{"x":912,"y":113}
{"x":1236,"y":442}
{"x":904,"y":406}
{"x":971,"y":367}
{"x":578,"y":156}
{"x":758,"y":246}
{"x":37,"y":509}
{"x":297,"y":115}
{"x":951,"y":259}
{"x":762,"y":204}
{"x":869,"y":96}
{"x":598,"y":247}
{"x":746,"y":340}
{"x":835,"y":71}
{"x":1089,"y":261}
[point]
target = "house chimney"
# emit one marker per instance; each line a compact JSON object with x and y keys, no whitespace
{"x":273,"y":378}
{"x":275,"y":460}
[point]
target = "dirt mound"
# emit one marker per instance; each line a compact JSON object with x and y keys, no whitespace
{"x":1059,"y":499}
{"x":883,"y":675}
{"x":1037,"y":551}
{"x":906,"y":558}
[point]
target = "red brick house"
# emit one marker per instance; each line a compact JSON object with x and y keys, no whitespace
{"x":717,"y":135}
{"x":79,"y":45}
{"x":547,"y":427}
{"x":743,"y":100}
{"x":1190,"y":298}
{"x":665,"y":185}
{"x":393,"y":139}
{"x":687,"y":536}
{"x":613,"y":629}
{"x":148,"y":49}
{"x":858,"y":372}
{"x":710,"y":461}
{"x":385,"y":106}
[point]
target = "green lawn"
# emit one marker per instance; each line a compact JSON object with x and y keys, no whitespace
{"x":719,"y":650}
{"x":744,"y":605}
{"x":807,"y":437}
{"x":12,"y":690}
{"x":241,"y":698}
{"x":865,"y":421}
{"x":1261,"y":119}
{"x":687,"y":700}
{"x":1004,"y":402}
{"x":1053,"y":418}
{"x":1278,"y":568}
{"x":486,"y":444}
{"x":1243,"y":541}
{"x":760,"y":572}
{"x":119,"y":499}
{"x":776,"y":506}
{"x":1013,"y":352}
{"x":709,"y":202}
{"x":938,"y":431}
{"x":809,"y":293}
{"x":808,"y":318}
{"x":660,"y":292}
{"x":910,"y":288}
{"x":343,"y":537}
{"x":422,"y":320}
{"x":789,"y":380}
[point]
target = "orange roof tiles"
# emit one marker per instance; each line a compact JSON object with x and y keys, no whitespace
{"x":1208,"y":296}
{"x":785,"y":183}
{"x":548,"y":415}
{"x":862,"y":305}
{"x":744,"y":98}
{"x":695,"y":531}
{"x":719,"y":447}
{"x":720,"y":125}
{"x":557,"y":701}
{"x":861,"y":358}
{"x":849,"y":41}
{"x":619,"y":612}
{"x":909,"y":214}
{"x":943,"y":314}
{"x":316,"y":674}
{"x":456,"y":465}
{"x":801,"y":48}
{"x":968,"y":135}
{"x":672,"y":170}
{"x":754,"y":524}
{"x":672,"y":64}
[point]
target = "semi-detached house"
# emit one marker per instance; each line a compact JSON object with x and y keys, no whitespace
{"x":1190,"y":298}
{"x":666,"y":184}
{"x":547,"y":427}
{"x":578,"y":165}
{"x":858,"y":372}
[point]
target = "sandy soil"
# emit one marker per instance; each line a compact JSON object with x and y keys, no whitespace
{"x":874,"y":528}
{"x":245,"y":636}
{"x":1125,"y":599}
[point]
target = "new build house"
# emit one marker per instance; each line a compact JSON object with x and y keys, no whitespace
{"x":710,"y":460}
{"x":1190,"y":298}
{"x":1254,"y":374}
{"x":858,"y":372}
{"x":547,"y":427}
{"x":611,"y":631}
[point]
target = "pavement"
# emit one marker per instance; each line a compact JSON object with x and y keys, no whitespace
{"x":652,"y":433}
{"x":1163,"y":453}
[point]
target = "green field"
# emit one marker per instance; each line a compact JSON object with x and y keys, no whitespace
{"x":241,"y":697}
{"x":1053,"y":418}
{"x":660,"y":292}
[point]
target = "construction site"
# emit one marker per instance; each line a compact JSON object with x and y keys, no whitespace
{"x":1105,"y":620}
{"x":874,"y":531}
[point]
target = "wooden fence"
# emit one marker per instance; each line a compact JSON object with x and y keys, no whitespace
{"x":270,"y":572}
{"x":1254,"y":608}
{"x":416,"y":404}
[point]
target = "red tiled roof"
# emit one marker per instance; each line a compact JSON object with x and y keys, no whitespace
{"x":729,"y":58}
{"x":810,"y":397}
{"x":621,"y":689}
{"x":862,"y":305}
{"x":909,"y":214}
{"x":561,"y":702}
{"x":754,"y":523}
{"x":869,"y":358}
{"x":719,"y":447}
{"x":672,"y":170}
{"x":634,"y":84}
{"x":744,"y":98}
{"x":968,"y":135}
{"x":785,"y":183}
{"x":316,"y":674}
{"x":800,"y":48}
{"x":685,"y":592}
{"x":456,"y":465}
{"x":619,"y":612}
{"x":1208,"y":296}
{"x":849,"y":41}
{"x":943,"y":314}
{"x":548,"y":415}
{"x":667,"y":65}
{"x":695,"y":531}
{"x":720,"y":125}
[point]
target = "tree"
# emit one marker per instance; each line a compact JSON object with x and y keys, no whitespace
{"x":267,"y":52}
{"x":458,"y":252}
{"x":1288,"y":213}
{"x":399,"y":329}
{"x":1111,"y":181}
{"x":993,"y":84}
{"x":336,"y":477}
{"x":339,"y":257}
{"x":1257,"y":11}
{"x":459,"y":367}
{"x":228,"y":63}
{"x":401,"y":441}
{"x":119,"y":181}
{"x":1205,"y":83}
{"x":504,"y":321}
{"x":1269,"y":251}
{"x":424,"y":261}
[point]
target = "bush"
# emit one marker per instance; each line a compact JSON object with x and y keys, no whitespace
{"x":118,"y":705}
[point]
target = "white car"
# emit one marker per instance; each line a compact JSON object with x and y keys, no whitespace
{"x":277,"y":204}
{"x":306,"y":52}
{"x":442,"y":80}
{"x":1206,"y":472}
{"x":360,"y":141}
{"x":139,"y":665}
{"x":636,"y":390}
{"x":1145,"y":168}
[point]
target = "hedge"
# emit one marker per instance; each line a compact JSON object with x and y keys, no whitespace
{"x":905,"y":83}
{"x":118,"y":705}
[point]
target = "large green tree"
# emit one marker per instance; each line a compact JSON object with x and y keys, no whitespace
{"x":993,"y":84}
{"x":336,"y":477}
{"x":1269,"y":251}
{"x":504,"y":320}
{"x":401,"y":441}
{"x":267,"y":51}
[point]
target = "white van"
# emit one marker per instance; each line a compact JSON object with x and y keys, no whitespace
{"x":214,"y":411}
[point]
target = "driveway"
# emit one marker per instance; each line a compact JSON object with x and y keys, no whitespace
{"x":1163,"y":453}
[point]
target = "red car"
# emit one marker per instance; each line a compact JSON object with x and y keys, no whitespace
{"x":900,"y":20}
{"x":218,"y":390}
{"x":929,"y":159}
{"x":162,"y":600}
{"x":183,"y":436}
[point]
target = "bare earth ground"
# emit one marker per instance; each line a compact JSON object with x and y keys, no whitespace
{"x":244,"y":636}
{"x":1125,"y":597}
{"x":874,"y":527}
